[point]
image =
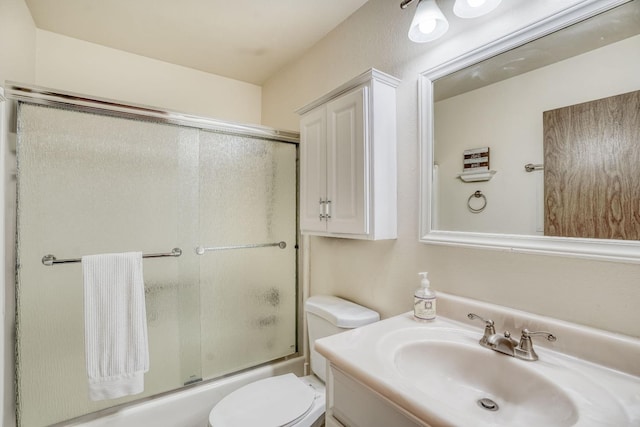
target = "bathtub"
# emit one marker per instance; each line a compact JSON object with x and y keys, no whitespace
{"x":183,"y":408}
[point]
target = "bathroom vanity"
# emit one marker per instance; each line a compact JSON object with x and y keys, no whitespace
{"x":401,"y":373}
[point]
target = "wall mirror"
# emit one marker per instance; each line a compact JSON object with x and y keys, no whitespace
{"x":521,"y":101}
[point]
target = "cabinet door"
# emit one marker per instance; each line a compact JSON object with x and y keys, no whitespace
{"x":313,"y":159}
{"x":347,"y":166}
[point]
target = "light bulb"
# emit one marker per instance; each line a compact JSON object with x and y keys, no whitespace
{"x":427,"y":26}
{"x":474,"y":8}
{"x":428,"y":22}
{"x":476,"y":3}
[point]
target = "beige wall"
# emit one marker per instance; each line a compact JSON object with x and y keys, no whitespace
{"x":382,"y":275}
{"x":73,"y":65}
{"x":17,"y":42}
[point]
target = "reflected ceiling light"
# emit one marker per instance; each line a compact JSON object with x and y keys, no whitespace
{"x":474,"y":8}
{"x":428,"y":22}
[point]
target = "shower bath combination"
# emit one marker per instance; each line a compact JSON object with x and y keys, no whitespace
{"x":104,"y":177}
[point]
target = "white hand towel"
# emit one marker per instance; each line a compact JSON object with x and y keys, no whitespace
{"x":116,"y":345}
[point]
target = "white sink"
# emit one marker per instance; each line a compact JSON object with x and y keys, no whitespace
{"x":484,"y":384}
{"x":438,"y":373}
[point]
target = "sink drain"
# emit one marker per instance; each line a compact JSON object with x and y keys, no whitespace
{"x":488,"y":404}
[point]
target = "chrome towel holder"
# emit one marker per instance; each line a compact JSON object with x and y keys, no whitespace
{"x":200,"y":250}
{"x":50,"y":260}
{"x":477,"y":194}
{"x":530,"y":167}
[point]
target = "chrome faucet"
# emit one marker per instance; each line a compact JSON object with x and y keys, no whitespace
{"x":503,"y":343}
{"x":489,"y":329}
{"x":525,"y":350}
{"x":506,"y":344}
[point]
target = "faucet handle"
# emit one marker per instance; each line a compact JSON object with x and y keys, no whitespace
{"x":525,"y":347}
{"x":548,"y":335}
{"x":474,"y":316}
{"x":489,"y":328}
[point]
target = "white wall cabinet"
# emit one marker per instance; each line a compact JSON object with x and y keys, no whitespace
{"x":348,"y":164}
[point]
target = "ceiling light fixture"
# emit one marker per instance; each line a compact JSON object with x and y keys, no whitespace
{"x":429,"y":23}
{"x":474,"y":8}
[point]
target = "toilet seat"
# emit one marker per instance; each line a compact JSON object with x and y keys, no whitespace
{"x":272,"y":402}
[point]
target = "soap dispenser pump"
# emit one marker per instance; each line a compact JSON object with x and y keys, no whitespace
{"x":424,"y":302}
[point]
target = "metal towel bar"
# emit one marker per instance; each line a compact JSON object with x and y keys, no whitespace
{"x":530,"y":167}
{"x":50,"y":260}
{"x":200,"y":250}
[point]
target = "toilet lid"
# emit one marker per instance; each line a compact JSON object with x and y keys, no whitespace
{"x":272,"y":402}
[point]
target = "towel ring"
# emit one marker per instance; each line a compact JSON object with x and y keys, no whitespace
{"x":478,"y":194}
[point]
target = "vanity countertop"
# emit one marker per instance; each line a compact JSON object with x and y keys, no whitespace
{"x":596,"y":374}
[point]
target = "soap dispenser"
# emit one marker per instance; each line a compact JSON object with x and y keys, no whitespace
{"x":424,"y":302}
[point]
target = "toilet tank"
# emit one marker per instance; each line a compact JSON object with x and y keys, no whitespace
{"x":329,"y":315}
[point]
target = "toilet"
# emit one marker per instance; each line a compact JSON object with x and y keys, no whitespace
{"x":288,"y":400}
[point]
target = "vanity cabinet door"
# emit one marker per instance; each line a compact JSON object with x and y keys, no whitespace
{"x":353,"y":404}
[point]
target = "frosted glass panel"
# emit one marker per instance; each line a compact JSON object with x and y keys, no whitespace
{"x":247,"y":196}
{"x":91,"y":184}
{"x":95,"y":184}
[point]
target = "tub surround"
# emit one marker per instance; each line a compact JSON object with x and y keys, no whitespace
{"x":594,"y":372}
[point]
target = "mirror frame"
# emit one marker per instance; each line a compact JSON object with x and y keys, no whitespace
{"x":599,"y":249}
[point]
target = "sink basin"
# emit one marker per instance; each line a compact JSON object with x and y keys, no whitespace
{"x":440,"y":375}
{"x":484,"y":385}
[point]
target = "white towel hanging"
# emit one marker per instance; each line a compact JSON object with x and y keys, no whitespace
{"x":116,"y":344}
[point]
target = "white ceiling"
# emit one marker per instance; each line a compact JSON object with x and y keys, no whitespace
{"x":247,"y":40}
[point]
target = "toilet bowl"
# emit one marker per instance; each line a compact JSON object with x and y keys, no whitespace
{"x":285,"y":400}
{"x":288,"y":400}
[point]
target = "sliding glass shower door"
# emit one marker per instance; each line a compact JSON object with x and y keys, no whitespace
{"x":247,"y":198}
{"x":91,"y":183}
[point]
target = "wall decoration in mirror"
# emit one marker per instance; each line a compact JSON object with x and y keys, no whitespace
{"x":561,"y":98}
{"x":475,"y":165}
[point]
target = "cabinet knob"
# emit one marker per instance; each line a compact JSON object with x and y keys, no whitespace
{"x":322,"y":215}
{"x":328,"y":210}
